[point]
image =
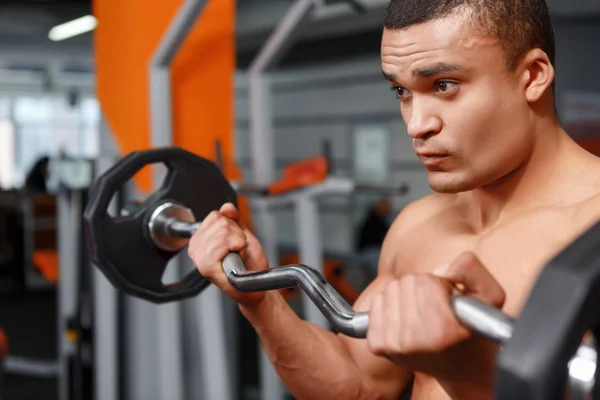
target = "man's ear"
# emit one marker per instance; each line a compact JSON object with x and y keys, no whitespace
{"x":537,"y":74}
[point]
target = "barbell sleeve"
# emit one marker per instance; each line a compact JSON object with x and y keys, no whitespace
{"x":175,"y":227}
{"x":481,"y":318}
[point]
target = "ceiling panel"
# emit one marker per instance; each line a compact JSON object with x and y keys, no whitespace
{"x":24,"y":24}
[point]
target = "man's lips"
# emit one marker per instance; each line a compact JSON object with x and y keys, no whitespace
{"x":430,"y":159}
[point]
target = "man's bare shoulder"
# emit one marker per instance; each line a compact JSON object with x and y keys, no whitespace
{"x":420,"y":219}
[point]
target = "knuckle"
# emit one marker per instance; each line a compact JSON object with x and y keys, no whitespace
{"x":406,"y":346}
{"x":498,"y":296}
{"x":222,"y":222}
{"x":193,"y":252}
{"x":220,"y":234}
{"x":375,"y":346}
{"x":215,"y":250}
{"x":416,"y":282}
{"x":468,"y":259}
{"x":448,"y":328}
{"x":407,"y":281}
{"x":394,"y":345}
{"x":375,"y":311}
{"x":450,"y":337}
{"x":393,"y":287}
{"x":213,"y":215}
{"x":428,"y":280}
{"x":236,"y":242}
{"x":446,"y":324}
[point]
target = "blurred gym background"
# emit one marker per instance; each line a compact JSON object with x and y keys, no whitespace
{"x":326,"y":91}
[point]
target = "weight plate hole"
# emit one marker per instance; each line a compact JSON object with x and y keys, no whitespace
{"x":129,"y":199}
{"x":179,"y":267}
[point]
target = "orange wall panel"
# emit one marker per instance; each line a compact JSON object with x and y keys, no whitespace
{"x":202,"y":74}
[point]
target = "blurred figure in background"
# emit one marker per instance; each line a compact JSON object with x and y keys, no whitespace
{"x":371,"y":233}
{"x":37,"y":177}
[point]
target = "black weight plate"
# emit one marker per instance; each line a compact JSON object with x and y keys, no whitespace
{"x":120,"y":246}
{"x":561,"y":308}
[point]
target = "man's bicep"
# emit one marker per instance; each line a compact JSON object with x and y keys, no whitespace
{"x":386,"y":379}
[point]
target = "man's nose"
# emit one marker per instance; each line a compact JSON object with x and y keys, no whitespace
{"x":422,"y":122}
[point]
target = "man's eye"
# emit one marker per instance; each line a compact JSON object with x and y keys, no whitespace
{"x":445,"y":86}
{"x":401,"y":92}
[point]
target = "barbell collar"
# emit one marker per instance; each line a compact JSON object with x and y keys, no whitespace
{"x":171,"y":225}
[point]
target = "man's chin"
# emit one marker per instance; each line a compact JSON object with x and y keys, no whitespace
{"x":447,"y":184}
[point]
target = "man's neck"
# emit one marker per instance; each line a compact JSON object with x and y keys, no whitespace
{"x":529,"y":186}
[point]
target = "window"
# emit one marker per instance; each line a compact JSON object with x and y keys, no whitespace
{"x":44,"y":124}
{"x":7,"y":159}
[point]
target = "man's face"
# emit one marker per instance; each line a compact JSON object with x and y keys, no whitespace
{"x":465,"y":112}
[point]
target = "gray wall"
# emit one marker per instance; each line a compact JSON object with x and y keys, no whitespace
{"x":328,"y":102}
{"x":578,"y":56}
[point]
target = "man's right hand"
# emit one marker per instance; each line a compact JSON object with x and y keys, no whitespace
{"x":220,"y":233}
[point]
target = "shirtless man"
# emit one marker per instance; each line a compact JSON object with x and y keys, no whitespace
{"x":475,"y":85}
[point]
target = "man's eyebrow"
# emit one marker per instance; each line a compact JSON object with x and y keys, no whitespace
{"x":429,"y":71}
{"x":437,"y":69}
{"x":389,"y":77}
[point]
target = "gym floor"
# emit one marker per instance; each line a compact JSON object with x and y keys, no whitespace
{"x":30,"y":323}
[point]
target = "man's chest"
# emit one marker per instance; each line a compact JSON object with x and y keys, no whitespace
{"x":514,"y":252}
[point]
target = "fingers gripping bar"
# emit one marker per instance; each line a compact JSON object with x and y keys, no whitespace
{"x":479,"y":317}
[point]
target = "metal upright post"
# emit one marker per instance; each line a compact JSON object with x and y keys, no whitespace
{"x":160,"y":71}
{"x":108,"y":372}
{"x":169,"y":321}
{"x":261,"y":120}
{"x":68,"y":213}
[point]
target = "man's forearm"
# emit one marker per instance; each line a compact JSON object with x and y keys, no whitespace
{"x":467,"y":391}
{"x":476,"y":385}
{"x":312,"y":362}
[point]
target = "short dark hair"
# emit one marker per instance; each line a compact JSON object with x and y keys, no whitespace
{"x":519,"y":25}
